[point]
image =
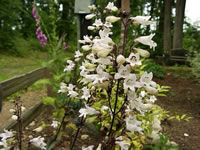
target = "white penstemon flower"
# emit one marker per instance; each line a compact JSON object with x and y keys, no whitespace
{"x":14,"y":117}
{"x":70,"y":66}
{"x":112,"y":19}
{"x":146,"y":79}
{"x":97,"y":23}
{"x":147,"y":40}
{"x":134,"y":59}
{"x":123,"y":145}
{"x":71,"y":91}
{"x":144,"y":20}
{"x":111,"y":7}
{"x":7,"y":134}
{"x":132,"y":124}
{"x":131,"y":83}
{"x":39,"y":142}
{"x":78,"y":54}
{"x":63,"y":88}
{"x":55,"y":124}
{"x":87,"y":111}
{"x":123,"y":72}
{"x":86,"y":93}
{"x":86,"y":39}
{"x":92,"y":7}
{"x":88,"y":148}
{"x":90,"y":16}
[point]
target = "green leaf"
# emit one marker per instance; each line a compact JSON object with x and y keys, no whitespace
{"x":49,"y":101}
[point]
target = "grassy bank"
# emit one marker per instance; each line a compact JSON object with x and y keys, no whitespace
{"x":11,"y":66}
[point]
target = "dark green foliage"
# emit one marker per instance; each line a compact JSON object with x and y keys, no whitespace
{"x":163,"y":145}
{"x":156,"y":69}
{"x":191,"y":38}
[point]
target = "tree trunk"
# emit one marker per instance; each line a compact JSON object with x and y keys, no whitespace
{"x":167,"y":27}
{"x":178,"y":27}
{"x":125,"y":7}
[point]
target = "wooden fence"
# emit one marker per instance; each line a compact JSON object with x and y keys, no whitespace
{"x":21,"y":82}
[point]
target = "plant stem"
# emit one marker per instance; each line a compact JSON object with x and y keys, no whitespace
{"x":77,"y":132}
{"x":114,"y":113}
{"x":59,"y":129}
{"x":19,"y":120}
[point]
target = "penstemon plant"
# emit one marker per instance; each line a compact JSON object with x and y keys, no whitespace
{"x":108,"y":79}
{"x":117,"y":94}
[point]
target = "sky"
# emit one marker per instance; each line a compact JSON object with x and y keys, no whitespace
{"x":192,"y":10}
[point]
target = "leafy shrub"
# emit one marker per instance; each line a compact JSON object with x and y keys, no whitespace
{"x":195,"y":62}
{"x":163,"y":145}
{"x":156,"y":69}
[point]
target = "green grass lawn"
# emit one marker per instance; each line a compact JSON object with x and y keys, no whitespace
{"x":11,"y":66}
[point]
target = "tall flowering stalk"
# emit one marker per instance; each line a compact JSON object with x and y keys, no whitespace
{"x":40,"y":35}
{"x":116,"y":92}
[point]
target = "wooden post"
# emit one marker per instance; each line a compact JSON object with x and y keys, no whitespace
{"x":47,"y":75}
{"x":125,"y":4}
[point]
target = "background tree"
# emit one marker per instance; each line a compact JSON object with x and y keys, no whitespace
{"x":178,"y":27}
{"x":167,"y":28}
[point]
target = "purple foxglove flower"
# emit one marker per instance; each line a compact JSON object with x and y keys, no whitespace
{"x":65,"y":45}
{"x":37,"y":31}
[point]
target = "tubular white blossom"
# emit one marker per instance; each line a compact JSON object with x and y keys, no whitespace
{"x":111,"y":7}
{"x":88,"y":148}
{"x":97,"y":23}
{"x":55,"y":124}
{"x":6,"y":134}
{"x":123,"y":145}
{"x":144,"y":20}
{"x":142,"y":52}
{"x":70,"y":66}
{"x":147,"y":40}
{"x":134,"y":59}
{"x":121,"y":59}
{"x":90,"y":16}
{"x":39,"y":142}
{"x":87,"y":111}
{"x":112,"y":19}
{"x":92,"y":7}
{"x":91,"y":28}
{"x":132,"y":124}
{"x":123,"y":72}
{"x":86,"y":47}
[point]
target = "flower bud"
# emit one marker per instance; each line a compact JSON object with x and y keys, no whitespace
{"x":103,"y":85}
{"x":147,"y":106}
{"x":112,"y":19}
{"x":121,"y":59}
{"x":84,"y":137}
{"x":14,"y":117}
{"x":90,"y":16}
{"x":12,"y":110}
{"x":91,"y":28}
{"x":142,"y":52}
{"x":151,"y":90}
{"x":86,"y":47}
{"x":39,"y":129}
{"x":92,"y":7}
{"x":23,"y":108}
{"x":90,"y":66}
{"x":99,"y":147}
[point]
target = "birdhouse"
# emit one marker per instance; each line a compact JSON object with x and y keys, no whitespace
{"x":81,"y":6}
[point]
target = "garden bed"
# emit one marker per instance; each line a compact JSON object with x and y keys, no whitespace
{"x":183,"y":98}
